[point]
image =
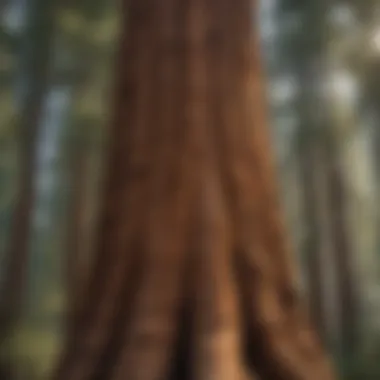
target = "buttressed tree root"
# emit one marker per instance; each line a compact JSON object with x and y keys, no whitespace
{"x":192,"y":277}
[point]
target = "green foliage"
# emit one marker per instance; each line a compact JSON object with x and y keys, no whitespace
{"x":364,"y":366}
{"x":90,"y":9}
{"x":291,"y":5}
{"x":8,"y":42}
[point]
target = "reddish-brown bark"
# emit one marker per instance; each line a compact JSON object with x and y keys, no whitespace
{"x":193,"y":278}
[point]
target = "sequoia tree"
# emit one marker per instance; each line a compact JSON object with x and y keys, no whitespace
{"x":192,"y":277}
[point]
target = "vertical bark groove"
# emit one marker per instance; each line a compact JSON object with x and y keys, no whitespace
{"x":192,"y":181}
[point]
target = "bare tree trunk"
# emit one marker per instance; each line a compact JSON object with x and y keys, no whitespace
{"x":35,"y":72}
{"x":315,"y":205}
{"x":193,"y":278}
{"x":76,"y":263}
{"x":371,"y":86}
{"x":343,"y":257}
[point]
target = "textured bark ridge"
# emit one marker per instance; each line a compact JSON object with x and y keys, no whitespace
{"x":192,"y":277}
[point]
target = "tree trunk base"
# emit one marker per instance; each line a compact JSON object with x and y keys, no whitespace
{"x":193,"y":279}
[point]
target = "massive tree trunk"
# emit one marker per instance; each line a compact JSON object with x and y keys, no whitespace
{"x":193,"y":278}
